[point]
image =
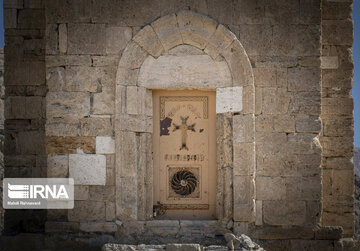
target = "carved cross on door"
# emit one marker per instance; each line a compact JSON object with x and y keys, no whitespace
{"x":184,"y":128}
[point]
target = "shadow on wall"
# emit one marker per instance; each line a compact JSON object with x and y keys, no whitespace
{"x":24,"y":116}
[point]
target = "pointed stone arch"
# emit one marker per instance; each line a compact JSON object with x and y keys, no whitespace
{"x":133,"y":123}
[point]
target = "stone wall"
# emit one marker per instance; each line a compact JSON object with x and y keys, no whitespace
{"x":25,"y":90}
{"x":2,"y":120}
{"x":357,"y":190}
{"x":98,"y":132}
{"x":337,"y":115}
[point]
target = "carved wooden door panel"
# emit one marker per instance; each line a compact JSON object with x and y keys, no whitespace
{"x":184,"y":154}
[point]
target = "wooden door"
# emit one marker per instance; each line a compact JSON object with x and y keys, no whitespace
{"x":184,"y":143}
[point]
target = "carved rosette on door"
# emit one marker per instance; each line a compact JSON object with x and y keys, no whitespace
{"x":184,"y":152}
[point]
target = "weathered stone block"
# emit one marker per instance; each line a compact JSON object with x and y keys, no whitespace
{"x":270,"y":188}
{"x":343,"y":219}
{"x":68,"y":105}
{"x":148,"y":40}
{"x":86,"y":38}
{"x":68,"y":60}
{"x":31,"y":19}
{"x":281,"y":233}
{"x":110,"y":211}
{"x":126,"y":14}
{"x":126,"y":155}
{"x":96,"y":126}
{"x":337,"y":146}
{"x":305,"y":103}
{"x":109,"y":60}
{"x":163,"y":226}
{"x":24,"y":107}
{"x":337,"y":32}
{"x":284,"y":123}
{"x":229,"y":99}
{"x":329,"y":62}
{"x":168,"y":31}
{"x":338,"y":127}
{"x":104,"y":102}
{"x":239,"y":64}
{"x":61,"y":129}
{"x":117,"y":39}
{"x":244,"y":158}
{"x":258,"y":218}
{"x":105,"y":145}
{"x":191,"y":23}
{"x":60,"y":11}
{"x":65,"y":145}
{"x":184,"y":71}
{"x":304,"y":79}
{"x":62,"y":38}
{"x":337,"y":78}
{"x":256,"y":32}
{"x":135,"y":100}
{"x":301,"y":143}
{"x":328,"y":233}
{"x":342,"y":182}
{"x":284,"y":212}
{"x":55,"y":78}
{"x":339,"y":163}
{"x":126,"y":204}
{"x":275,"y":101}
{"x":308,"y":124}
{"x":248,"y":12}
{"x":337,"y":106}
{"x":26,"y":73}
{"x":87,"y":169}
{"x":51,"y":37}
{"x":266,"y":77}
{"x":275,"y":61}
{"x":81,"y":192}
{"x":57,"y":166}
{"x":102,"y":193}
{"x":303,"y":188}
{"x":243,"y":212}
{"x":243,"y":128}
{"x":84,"y":79}
{"x":30,"y":142}
{"x":183,"y":247}
{"x":219,"y":41}
{"x":132,"y":57}
{"x":102,"y":227}
{"x":285,"y":40}
{"x":110,"y":170}
{"x":242,"y":189}
{"x":87,"y":211}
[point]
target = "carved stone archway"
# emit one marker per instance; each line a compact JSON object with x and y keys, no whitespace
{"x":235,"y":128}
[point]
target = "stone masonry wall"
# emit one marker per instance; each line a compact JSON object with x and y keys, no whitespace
{"x":77,"y":52}
{"x":337,"y":115}
{"x":2,"y":120}
{"x":25,"y":90}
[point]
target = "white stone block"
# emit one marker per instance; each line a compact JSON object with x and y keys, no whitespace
{"x":330,"y":62}
{"x":88,"y":169}
{"x":105,"y":145}
{"x":229,"y":99}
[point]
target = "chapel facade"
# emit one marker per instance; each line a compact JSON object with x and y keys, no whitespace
{"x":184,"y":120}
